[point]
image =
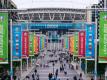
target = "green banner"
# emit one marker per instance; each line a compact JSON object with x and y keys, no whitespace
{"x":42,"y":42}
{"x":31,"y":44}
{"x":76,"y":44}
{"x":3,"y":38}
{"x":103,"y":38}
{"x":67,"y":42}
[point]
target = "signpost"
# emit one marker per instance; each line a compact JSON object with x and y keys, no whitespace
{"x":25,"y":46}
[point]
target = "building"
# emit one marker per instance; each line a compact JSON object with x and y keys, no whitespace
{"x":7,"y":4}
{"x":92,"y":14}
{"x":102,"y":4}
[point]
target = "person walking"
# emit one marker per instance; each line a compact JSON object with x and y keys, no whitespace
{"x":92,"y":78}
{"x":74,"y":78}
{"x":50,"y":76}
{"x":37,"y":77}
{"x":65,"y":72}
{"x":33,"y":77}
{"x":27,"y":77}
{"x":56,"y":73}
{"x":80,"y":77}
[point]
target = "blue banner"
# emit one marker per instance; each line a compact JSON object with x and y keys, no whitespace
{"x":90,"y":36}
{"x":40,"y":43}
{"x":16,"y":42}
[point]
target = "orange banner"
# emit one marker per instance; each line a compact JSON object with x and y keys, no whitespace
{"x":71,"y":44}
{"x":36,"y":45}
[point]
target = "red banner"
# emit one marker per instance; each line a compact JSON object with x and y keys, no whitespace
{"x":25,"y":44}
{"x":82,"y":36}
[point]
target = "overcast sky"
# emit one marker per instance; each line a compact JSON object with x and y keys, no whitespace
{"x":54,"y":3}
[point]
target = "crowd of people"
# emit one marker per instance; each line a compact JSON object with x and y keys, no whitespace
{"x":35,"y":76}
{"x":63,"y":69}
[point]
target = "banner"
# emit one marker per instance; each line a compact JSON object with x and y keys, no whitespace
{"x":90,"y":37}
{"x":40,"y":42}
{"x":66,"y":42}
{"x":62,"y":41}
{"x":31,"y":44}
{"x":16,"y":43}
{"x":36,"y":45}
{"x":46,"y":42}
{"x":82,"y":44}
{"x":3,"y":38}
{"x":76,"y":44}
{"x":71,"y":44}
{"x":103,"y":38}
{"x":25,"y":44}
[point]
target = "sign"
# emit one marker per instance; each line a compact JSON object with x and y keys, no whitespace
{"x":66,"y":42}
{"x":16,"y":43}
{"x":75,"y":43}
{"x":55,"y":26}
{"x":71,"y":44}
{"x":43,"y":42}
{"x":40,"y":42}
{"x":31,"y":44}
{"x":82,"y":43}
{"x":62,"y":40}
{"x":3,"y":38}
{"x":36,"y":45}
{"x":25,"y":44}
{"x":90,"y":37}
{"x":102,"y":58}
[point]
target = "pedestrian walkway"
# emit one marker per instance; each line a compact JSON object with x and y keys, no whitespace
{"x":43,"y":70}
{"x":85,"y":77}
{"x":25,"y":73}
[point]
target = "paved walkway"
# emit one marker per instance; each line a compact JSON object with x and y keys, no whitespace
{"x":44,"y":71}
{"x":25,"y":73}
{"x":85,"y":77}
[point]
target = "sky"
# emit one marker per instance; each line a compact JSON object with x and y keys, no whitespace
{"x":22,"y":4}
